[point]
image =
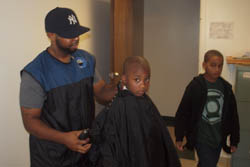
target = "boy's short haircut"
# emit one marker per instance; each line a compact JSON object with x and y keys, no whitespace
{"x":138,"y":60}
{"x":211,"y":53}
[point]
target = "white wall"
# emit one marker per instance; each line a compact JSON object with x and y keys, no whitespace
{"x":22,"y":38}
{"x":228,"y":11}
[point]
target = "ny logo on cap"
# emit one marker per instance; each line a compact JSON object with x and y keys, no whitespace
{"x":72,"y":19}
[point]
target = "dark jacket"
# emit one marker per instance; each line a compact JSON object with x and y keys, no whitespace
{"x":134,"y":134}
{"x":190,"y":111}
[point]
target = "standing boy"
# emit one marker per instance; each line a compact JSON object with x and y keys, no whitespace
{"x":207,"y":114}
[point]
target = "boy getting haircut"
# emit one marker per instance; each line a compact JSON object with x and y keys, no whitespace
{"x":133,"y":133}
{"x":139,"y":61}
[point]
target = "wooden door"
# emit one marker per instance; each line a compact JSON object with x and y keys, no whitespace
{"x":126,"y":31}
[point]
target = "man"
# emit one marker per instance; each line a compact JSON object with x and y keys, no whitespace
{"x":57,"y":95}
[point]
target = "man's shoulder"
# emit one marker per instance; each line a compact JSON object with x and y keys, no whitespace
{"x":35,"y":64}
{"x":37,"y":59}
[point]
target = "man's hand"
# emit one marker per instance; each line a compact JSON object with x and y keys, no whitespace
{"x":33,"y":124}
{"x":104,"y":92}
{"x":233,"y":149}
{"x":72,"y":141}
{"x":179,"y":145}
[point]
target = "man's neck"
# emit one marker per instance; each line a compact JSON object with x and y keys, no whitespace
{"x":59,"y":55}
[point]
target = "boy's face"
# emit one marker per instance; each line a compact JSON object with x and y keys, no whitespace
{"x":213,"y":68}
{"x":137,"y":80}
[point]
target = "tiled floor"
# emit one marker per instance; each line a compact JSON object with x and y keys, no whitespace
{"x":188,"y":163}
{"x":223,"y":162}
{"x":191,"y":163}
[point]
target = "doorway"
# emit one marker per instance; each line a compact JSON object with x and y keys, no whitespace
{"x":170,"y":42}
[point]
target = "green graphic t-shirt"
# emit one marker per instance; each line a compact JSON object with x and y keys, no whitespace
{"x":209,"y":129}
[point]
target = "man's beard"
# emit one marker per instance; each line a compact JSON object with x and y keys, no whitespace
{"x":64,"y":49}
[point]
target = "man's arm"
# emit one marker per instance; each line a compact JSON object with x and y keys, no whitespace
{"x":181,"y":117}
{"x":32,"y":97}
{"x":33,"y":124}
{"x":104,"y":92}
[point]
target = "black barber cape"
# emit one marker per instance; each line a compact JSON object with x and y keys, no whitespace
{"x":132,"y":133}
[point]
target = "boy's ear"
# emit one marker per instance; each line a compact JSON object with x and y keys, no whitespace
{"x":124,"y":79}
{"x":204,"y":65}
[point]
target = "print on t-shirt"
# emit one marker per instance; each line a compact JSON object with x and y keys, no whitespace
{"x":213,"y":108}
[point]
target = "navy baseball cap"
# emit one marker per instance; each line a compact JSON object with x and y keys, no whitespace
{"x":64,"y":22}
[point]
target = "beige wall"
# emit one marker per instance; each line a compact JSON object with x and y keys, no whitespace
{"x":227,"y":11}
{"x":22,"y":38}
